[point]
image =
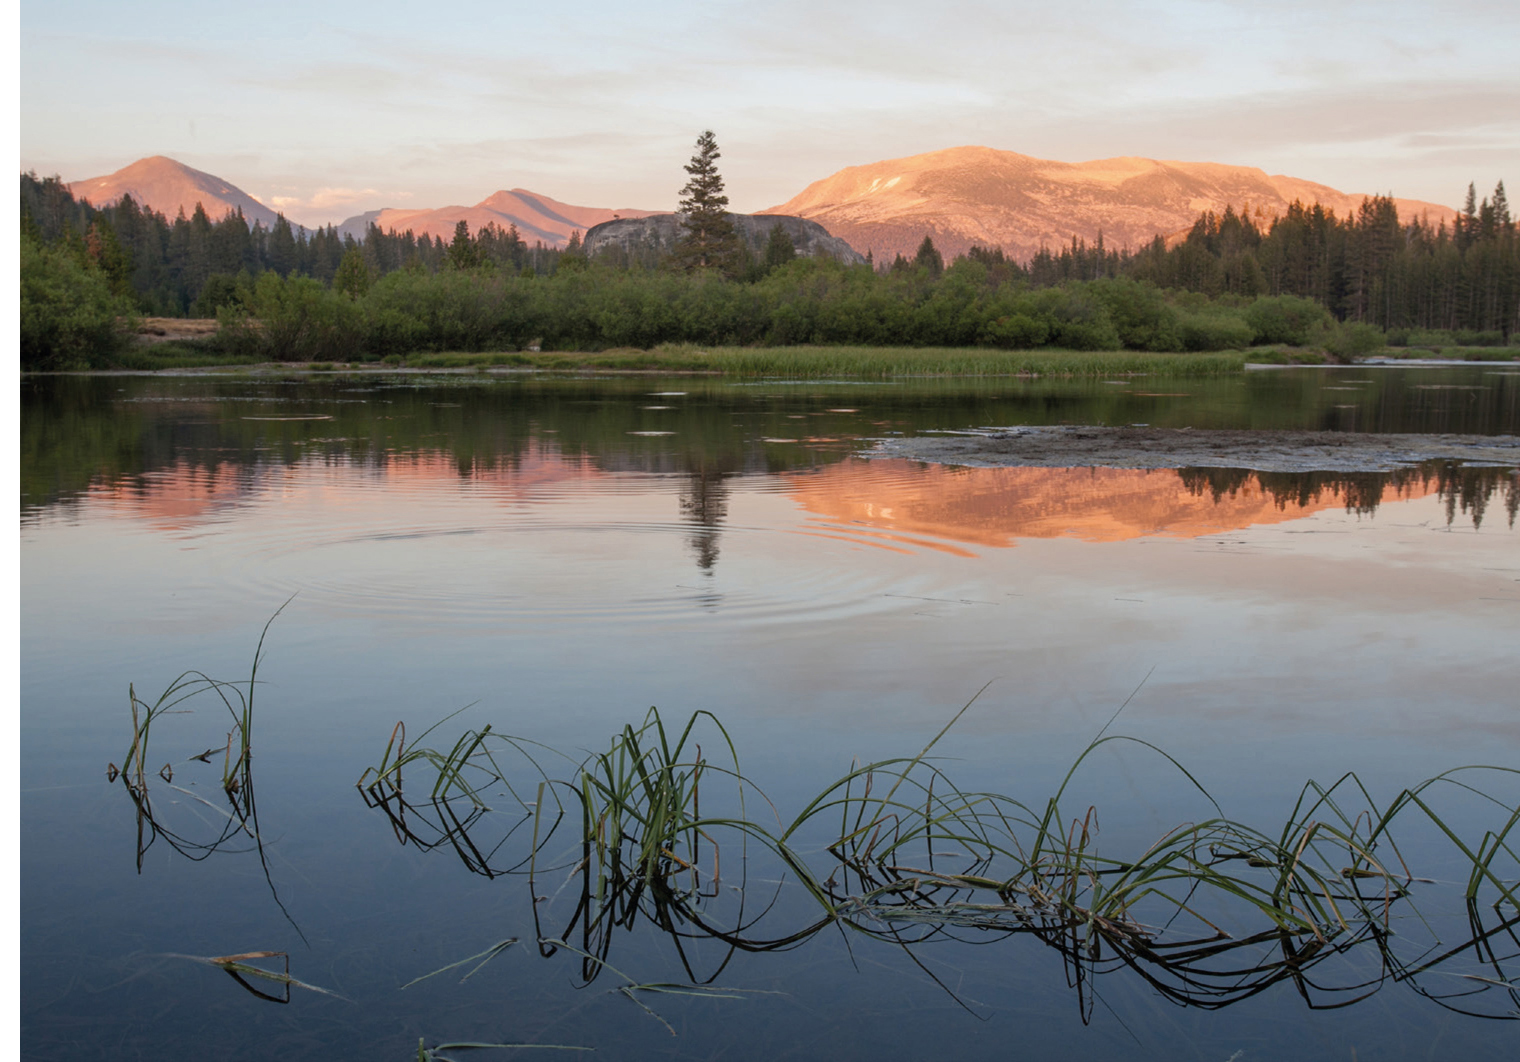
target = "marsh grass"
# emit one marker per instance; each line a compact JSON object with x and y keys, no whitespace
{"x":239,"y":816}
{"x":1210,"y":913}
{"x":484,"y":957}
{"x":816,"y":362}
{"x":176,"y":355}
{"x":242,"y":969}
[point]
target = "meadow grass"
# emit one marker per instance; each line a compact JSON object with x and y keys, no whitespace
{"x":176,"y":355}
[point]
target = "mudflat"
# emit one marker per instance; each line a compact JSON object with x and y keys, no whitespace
{"x":1262,"y":451}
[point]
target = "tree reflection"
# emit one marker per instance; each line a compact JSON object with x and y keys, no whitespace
{"x":704,"y":504}
{"x":1461,"y":488}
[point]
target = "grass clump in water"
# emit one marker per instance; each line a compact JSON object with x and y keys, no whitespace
{"x":1209,"y":913}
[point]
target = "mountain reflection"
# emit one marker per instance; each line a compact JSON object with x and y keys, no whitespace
{"x":996,"y":506}
{"x":891,"y":501}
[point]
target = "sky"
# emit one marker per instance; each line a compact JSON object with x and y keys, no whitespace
{"x":328,"y":108}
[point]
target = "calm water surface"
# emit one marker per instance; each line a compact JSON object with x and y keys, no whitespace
{"x":561,"y":555}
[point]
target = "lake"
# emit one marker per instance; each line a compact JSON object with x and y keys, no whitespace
{"x":553,"y":556}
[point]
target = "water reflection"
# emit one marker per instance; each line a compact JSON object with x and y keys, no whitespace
{"x":79,"y":432}
{"x":877,"y":502}
{"x":997,"y":506}
{"x":704,"y":503}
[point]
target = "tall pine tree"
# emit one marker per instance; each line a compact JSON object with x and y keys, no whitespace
{"x":709,"y":240}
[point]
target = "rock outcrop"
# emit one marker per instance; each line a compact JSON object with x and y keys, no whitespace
{"x":646,"y":240}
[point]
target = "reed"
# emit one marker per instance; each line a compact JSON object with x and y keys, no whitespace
{"x":241,"y":813}
{"x":907,"y":856}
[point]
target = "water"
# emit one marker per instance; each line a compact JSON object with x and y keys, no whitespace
{"x":563,"y":554}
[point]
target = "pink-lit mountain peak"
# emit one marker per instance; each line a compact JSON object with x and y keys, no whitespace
{"x":978,"y":195}
{"x":168,"y":186}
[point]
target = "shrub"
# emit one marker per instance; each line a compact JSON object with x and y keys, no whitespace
{"x":1016,"y":331}
{"x":69,"y":317}
{"x":1140,"y":314}
{"x":1286,"y":319}
{"x":1214,"y":331}
{"x":294,"y":319}
{"x":1350,"y":340}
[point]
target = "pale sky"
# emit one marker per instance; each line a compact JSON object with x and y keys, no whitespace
{"x":327,"y":108}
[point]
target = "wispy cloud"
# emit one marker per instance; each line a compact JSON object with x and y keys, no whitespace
{"x":599,"y":102}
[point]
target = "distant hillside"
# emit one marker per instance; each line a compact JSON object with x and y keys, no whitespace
{"x":537,"y":217}
{"x":977,"y":195}
{"x":168,"y":187}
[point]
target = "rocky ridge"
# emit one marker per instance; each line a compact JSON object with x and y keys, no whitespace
{"x":654,"y":236}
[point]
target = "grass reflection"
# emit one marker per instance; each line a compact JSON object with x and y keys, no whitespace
{"x":655,"y":833}
{"x":237,"y":829}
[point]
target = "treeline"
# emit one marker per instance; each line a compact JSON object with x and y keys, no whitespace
{"x":1368,"y":266}
{"x":191,"y":266}
{"x":1307,"y":279}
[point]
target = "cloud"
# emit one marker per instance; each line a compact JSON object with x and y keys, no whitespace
{"x":325,"y":204}
{"x":599,"y":103}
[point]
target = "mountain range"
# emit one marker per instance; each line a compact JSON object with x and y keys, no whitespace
{"x":959,"y":197}
{"x":537,"y":217}
{"x":977,"y":195}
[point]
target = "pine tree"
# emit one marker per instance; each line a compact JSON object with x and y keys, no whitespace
{"x":929,"y":258}
{"x":709,"y":241}
{"x":779,"y":249}
{"x":1501,"y":206}
{"x":462,"y":249}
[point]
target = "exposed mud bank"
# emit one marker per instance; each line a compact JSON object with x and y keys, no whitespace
{"x":1263,"y":451}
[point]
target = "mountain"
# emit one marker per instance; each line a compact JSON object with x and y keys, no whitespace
{"x":537,"y":217}
{"x":169,"y":187}
{"x":977,"y":195}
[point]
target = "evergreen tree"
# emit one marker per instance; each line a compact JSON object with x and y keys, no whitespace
{"x":353,"y":275}
{"x":462,"y":249}
{"x":929,"y":258}
{"x":779,"y":249}
{"x":709,"y":241}
{"x":282,"y":247}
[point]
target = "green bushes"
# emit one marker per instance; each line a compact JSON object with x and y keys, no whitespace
{"x":1438,"y":338}
{"x":1286,"y":319}
{"x":293,"y":319}
{"x":807,"y":301}
{"x":69,"y":317}
{"x":1349,"y":340}
{"x":804,"y":302}
{"x":1140,"y":314}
